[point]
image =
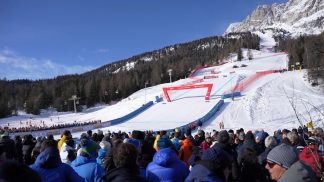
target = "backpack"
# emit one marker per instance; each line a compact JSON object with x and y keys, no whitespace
{"x":311,"y":157}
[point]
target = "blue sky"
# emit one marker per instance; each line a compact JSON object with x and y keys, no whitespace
{"x":43,"y":38}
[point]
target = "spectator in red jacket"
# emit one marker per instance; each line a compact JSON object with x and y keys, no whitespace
{"x":207,"y":143}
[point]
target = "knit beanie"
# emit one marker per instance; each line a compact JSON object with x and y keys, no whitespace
{"x":249,"y":136}
{"x":270,"y":142}
{"x":223,"y":137}
{"x":177,"y":134}
{"x":89,"y":147}
{"x":283,"y":155}
{"x":188,"y":132}
{"x":105,"y":145}
{"x":84,"y":136}
{"x":217,"y":156}
{"x":259,"y":136}
{"x":66,"y":132}
{"x":100,"y":132}
{"x":138,"y":135}
{"x":133,"y":141}
{"x":312,"y":141}
{"x":164,"y":142}
{"x":201,"y":133}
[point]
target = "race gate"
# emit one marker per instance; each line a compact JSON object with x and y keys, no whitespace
{"x":187,"y":87}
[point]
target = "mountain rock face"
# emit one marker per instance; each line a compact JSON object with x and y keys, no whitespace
{"x":296,"y":17}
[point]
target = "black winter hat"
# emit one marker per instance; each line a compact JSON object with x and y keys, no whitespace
{"x":188,"y":132}
{"x":217,"y":156}
{"x":138,"y":135}
{"x":249,"y":136}
{"x":84,"y":136}
{"x":67,"y":132}
{"x":223,"y":137}
{"x":201,"y":133}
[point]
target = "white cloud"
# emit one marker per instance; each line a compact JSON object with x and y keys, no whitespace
{"x":48,"y":63}
{"x":15,"y":66}
{"x":6,"y":51}
{"x":2,"y":59}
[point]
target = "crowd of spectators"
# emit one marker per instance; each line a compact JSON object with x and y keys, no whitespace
{"x":225,"y":155}
{"x":32,"y":128}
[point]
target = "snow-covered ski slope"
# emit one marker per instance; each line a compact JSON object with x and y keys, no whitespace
{"x":266,"y":103}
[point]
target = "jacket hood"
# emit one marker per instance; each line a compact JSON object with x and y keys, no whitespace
{"x":164,"y":142}
{"x":201,"y":173}
{"x":49,"y":158}
{"x":101,"y":153}
{"x":165,"y":157}
{"x":298,"y":172}
{"x":80,"y":160}
{"x":63,"y":137}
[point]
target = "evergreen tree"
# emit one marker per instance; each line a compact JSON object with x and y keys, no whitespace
{"x":92,"y":86}
{"x":4,"y":110}
{"x":239,"y":54}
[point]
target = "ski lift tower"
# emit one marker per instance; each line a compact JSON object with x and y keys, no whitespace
{"x":75,"y":101}
{"x":145,"y":91}
{"x":170,"y":74}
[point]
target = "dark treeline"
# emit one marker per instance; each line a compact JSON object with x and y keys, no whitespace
{"x":115,"y":81}
{"x":307,"y":51}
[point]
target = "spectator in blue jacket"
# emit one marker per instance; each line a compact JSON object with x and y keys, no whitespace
{"x":166,"y":166}
{"x":105,"y":147}
{"x":85,"y":164}
{"x":49,"y":166}
{"x":176,"y":140}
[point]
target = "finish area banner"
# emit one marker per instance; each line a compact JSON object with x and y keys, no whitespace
{"x":187,"y":87}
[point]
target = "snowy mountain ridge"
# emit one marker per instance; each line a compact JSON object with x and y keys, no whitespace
{"x":298,"y":17}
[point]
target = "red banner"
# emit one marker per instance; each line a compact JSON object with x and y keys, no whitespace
{"x":194,"y":82}
{"x":186,"y":87}
{"x":210,"y":77}
{"x":245,"y":83}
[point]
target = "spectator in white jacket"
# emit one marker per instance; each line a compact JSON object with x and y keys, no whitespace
{"x":67,"y":152}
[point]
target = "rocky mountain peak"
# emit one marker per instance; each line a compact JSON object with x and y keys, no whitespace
{"x":296,"y":17}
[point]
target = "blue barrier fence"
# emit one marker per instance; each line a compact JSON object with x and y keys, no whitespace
{"x":157,"y":99}
{"x":128,"y":116}
{"x":230,"y":95}
{"x":88,"y":127}
{"x":193,"y":125}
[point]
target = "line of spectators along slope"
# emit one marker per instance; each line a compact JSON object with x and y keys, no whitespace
{"x":31,"y":128}
{"x":295,"y":155}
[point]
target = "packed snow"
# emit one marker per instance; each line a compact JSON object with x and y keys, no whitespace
{"x":268,"y":103}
